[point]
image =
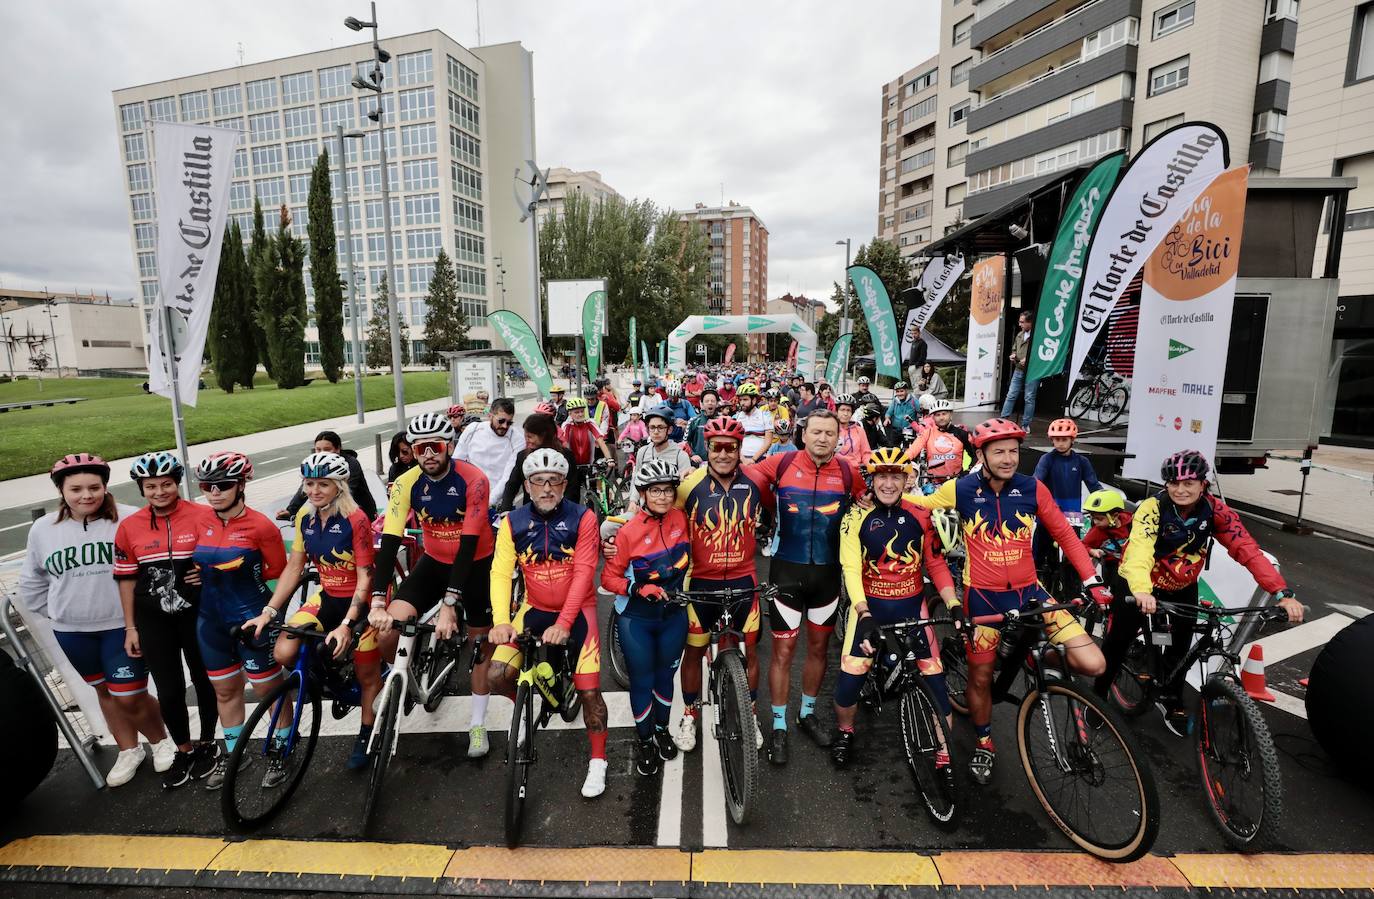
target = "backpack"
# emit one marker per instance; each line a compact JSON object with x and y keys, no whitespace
{"x":846,"y":473}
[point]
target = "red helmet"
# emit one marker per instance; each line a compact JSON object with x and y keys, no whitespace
{"x":225,"y":466}
{"x":725,"y":427}
{"x":545,"y":408}
{"x":1063,"y":427}
{"x":78,"y":463}
{"x":457,"y":410}
{"x":996,"y":429}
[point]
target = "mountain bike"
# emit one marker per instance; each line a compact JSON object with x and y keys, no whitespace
{"x":1081,"y":761}
{"x":1235,"y":753}
{"x":553,"y":682}
{"x":1104,"y":393}
{"x":603,"y":489}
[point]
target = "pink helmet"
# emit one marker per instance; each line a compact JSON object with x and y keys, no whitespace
{"x":78,"y":463}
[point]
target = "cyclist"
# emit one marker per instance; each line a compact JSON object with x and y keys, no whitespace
{"x":560,"y":404}
{"x":946,"y":445}
{"x":758,"y":423}
{"x":863,"y":394}
{"x":1106,"y":539}
{"x":814,"y":489}
{"x":1171,"y":538}
{"x":238,"y":550}
{"x":582,"y":435}
{"x":451,"y":499}
{"x":883,"y":550}
{"x":334,"y":535}
{"x":696,"y":436}
{"x":661,"y":446}
{"x":652,"y":552}
{"x":1000,"y":509}
{"x":554,"y":542}
{"x":681,"y":409}
{"x":902,"y":410}
{"x":160,"y":590}
{"x":1066,"y":473}
{"x":853,"y":446}
{"x":636,"y":392}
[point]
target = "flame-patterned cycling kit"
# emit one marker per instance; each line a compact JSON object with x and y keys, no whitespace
{"x":724,"y":519}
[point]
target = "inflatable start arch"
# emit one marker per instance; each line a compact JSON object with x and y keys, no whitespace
{"x":788,"y":324}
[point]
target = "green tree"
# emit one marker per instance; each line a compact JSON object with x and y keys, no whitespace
{"x":233,"y":355}
{"x":324,"y":270}
{"x":379,"y":332}
{"x":280,"y":281}
{"x":894,"y":270}
{"x":256,"y":248}
{"x":446,"y":324}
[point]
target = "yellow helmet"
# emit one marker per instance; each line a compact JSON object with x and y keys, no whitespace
{"x":888,"y":458}
{"x":1104,"y":501}
{"x":747,"y":390}
{"x":577,"y":402}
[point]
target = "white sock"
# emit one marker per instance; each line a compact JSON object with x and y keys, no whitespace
{"x":479,"y":708}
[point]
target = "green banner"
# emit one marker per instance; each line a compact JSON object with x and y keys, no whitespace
{"x":1058,"y":309}
{"x":877,"y":311}
{"x":839,"y":361}
{"x":634,"y":347}
{"x":644,"y":360}
{"x":662,"y":355}
{"x":518,"y":336}
{"x":593,"y":324}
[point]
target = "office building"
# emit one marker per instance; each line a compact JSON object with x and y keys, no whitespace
{"x":458,"y":122}
{"x":738,"y":282}
{"x":565,"y":181}
{"x":71,"y":332}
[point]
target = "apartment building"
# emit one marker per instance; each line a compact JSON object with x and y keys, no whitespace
{"x":457,"y":122}
{"x":565,"y":181}
{"x":808,"y":310}
{"x":739,"y":262}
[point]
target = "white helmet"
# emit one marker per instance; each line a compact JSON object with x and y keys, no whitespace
{"x":656,"y":471}
{"x":429,"y":425}
{"x":941,"y":406}
{"x":325,"y":465}
{"x":864,"y":381}
{"x":545,"y":461}
{"x":927,"y":401}
{"x":674,"y":388}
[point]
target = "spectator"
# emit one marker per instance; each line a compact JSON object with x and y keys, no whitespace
{"x":560,"y":405}
{"x":540,"y":433}
{"x":1019,"y":356}
{"x":696,"y":430}
{"x":827,"y":396}
{"x":809,"y":401}
{"x":928,"y":381}
{"x":916,"y":362}
{"x":330,"y":442}
{"x":493,"y":445}
{"x":401,"y":456}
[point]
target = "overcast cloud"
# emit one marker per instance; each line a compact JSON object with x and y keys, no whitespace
{"x":777,"y":101}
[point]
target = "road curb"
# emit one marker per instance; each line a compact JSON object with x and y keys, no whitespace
{"x":1283,"y":518}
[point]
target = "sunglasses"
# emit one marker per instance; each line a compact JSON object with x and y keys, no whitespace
{"x":549,"y":481}
{"x":433,"y":448}
{"x":728,"y":447}
{"x":502,"y":422}
{"x":217,"y":486}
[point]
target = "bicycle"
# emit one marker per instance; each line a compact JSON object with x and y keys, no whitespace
{"x":1105,"y":392}
{"x":1231,"y":739}
{"x":603,"y":490}
{"x":558,"y":694}
{"x":1068,"y":740}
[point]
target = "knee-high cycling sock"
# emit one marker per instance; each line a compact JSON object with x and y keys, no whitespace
{"x":689,"y":699}
{"x":281,"y":734}
{"x":479,"y":708}
{"x":808,"y":706}
{"x":779,"y":717}
{"x":598,"y":741}
{"x":231,"y":737}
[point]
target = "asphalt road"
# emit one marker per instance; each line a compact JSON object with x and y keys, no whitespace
{"x":436,"y":795}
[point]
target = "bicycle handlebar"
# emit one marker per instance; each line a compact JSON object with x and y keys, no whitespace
{"x":1271,"y":613}
{"x":1018,"y":616}
{"x":722,"y":597}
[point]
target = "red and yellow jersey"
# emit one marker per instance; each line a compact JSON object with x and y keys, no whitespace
{"x":447,"y":508}
{"x":883,"y":551}
{"x":1168,"y":549}
{"x":557,"y":555}
{"x":724,"y":519}
{"x":337,"y":547}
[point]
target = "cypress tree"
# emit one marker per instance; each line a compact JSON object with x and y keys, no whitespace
{"x":232,"y":352}
{"x":256,"y":317}
{"x":324,"y":270}
{"x":379,"y":332}
{"x":280,"y":281}
{"x":446,"y":325}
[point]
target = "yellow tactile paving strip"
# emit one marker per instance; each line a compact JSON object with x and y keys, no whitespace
{"x":415,"y":863}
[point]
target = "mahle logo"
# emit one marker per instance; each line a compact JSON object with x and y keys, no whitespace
{"x":1178,"y":348}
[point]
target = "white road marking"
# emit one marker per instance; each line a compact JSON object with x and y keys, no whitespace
{"x":670,"y":795}
{"x":1285,"y":644}
{"x":1356,"y":612}
{"x":1290,"y":704}
{"x":22,"y":524}
{"x":274,"y":459}
{"x":713,"y":828}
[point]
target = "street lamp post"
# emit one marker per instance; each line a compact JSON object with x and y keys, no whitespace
{"x":845,"y":325}
{"x":352,"y":284}
{"x":380,"y":56}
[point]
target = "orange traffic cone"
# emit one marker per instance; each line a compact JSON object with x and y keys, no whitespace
{"x":1252,"y":675}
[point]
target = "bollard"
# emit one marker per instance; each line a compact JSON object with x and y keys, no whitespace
{"x":377,"y":440}
{"x":1297,"y":527}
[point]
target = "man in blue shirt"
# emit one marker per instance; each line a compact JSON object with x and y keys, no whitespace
{"x":902,"y":410}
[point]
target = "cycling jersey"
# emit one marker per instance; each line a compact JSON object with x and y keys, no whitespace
{"x":557,"y":553}
{"x":724,"y":520}
{"x":650,"y":550}
{"x":944,"y":451}
{"x":853,"y":445}
{"x":337,"y":547}
{"x":1065,"y":474}
{"x":883,"y":549}
{"x":1111,"y":540}
{"x":154,"y":550}
{"x":580,"y":437}
{"x":811,"y":502}
{"x":448,"y":508}
{"x":236,"y":559}
{"x":1168,"y":550}
{"x":758,"y":430}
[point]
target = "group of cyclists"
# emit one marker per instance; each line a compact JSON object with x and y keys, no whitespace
{"x":730,"y":464}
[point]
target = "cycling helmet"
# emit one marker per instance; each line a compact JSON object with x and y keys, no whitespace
{"x":888,"y":458}
{"x":773,"y":393}
{"x":545,"y":461}
{"x":157,"y":465}
{"x":996,"y":429}
{"x":429,"y":426}
{"x":846,"y":399}
{"x":864,"y":381}
{"x":926,"y":401}
{"x":1185,"y":465}
{"x":901,"y":385}
{"x":576,"y":402}
{"x":660,"y":411}
{"x":725,"y":427}
{"x":1104,"y":501}
{"x":545,"y":408}
{"x":782,"y":426}
{"x":637,"y":383}
{"x":78,"y":463}
{"x":1063,"y":427}
{"x":656,"y":471}
{"x":941,"y":406}
{"x":589,"y":392}
{"x":947,"y":528}
{"x":747,"y":389}
{"x":325,"y":465}
{"x":558,"y":388}
{"x":226,"y":466}
{"x":455,"y":411}
{"x":674,"y":388}
{"x":471,"y":420}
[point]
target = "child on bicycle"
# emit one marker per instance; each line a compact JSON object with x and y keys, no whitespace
{"x":1171,"y":537}
{"x":1066,"y":473}
{"x":1106,"y":539}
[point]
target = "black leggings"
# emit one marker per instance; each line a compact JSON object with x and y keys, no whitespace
{"x":164,"y":638}
{"x":1126,"y":622}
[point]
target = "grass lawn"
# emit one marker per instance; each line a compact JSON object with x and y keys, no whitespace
{"x":118,"y":419}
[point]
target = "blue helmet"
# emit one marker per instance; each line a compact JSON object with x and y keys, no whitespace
{"x":157,"y":465}
{"x":662,"y":411}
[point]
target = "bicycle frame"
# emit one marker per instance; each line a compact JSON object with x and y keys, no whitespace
{"x":400,"y":670}
{"x":531,"y":646}
{"x":1208,"y":645}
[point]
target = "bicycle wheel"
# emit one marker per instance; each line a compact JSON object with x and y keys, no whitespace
{"x":1085,"y":769}
{"x":1113,"y":404}
{"x":519,"y":757}
{"x":384,"y":726}
{"x":620,"y":671}
{"x":1082,"y":401}
{"x":1130,"y":691}
{"x":244,"y":801}
{"x":444,"y":655}
{"x":924,"y":737}
{"x":954,"y":658}
{"x":735,"y":726}
{"x":1238,"y":765}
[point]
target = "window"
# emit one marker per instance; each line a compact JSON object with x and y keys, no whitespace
{"x":423,"y":244}
{"x":227,"y":100}
{"x":465,"y":146}
{"x":298,"y":188}
{"x":959,"y":74}
{"x":961,"y":30}
{"x":467,"y":181}
{"x":369,"y":102}
{"x":234,"y":122}
{"x":355,"y":210}
{"x":1169,"y":76}
{"x":298,"y":88}
{"x":420,"y":174}
{"x":145,"y":236}
{"x":301,"y":155}
{"x":131,"y":117}
{"x":418,"y":140}
{"x":1361,"y":65}
{"x":372,"y":210}
{"x":414,"y":68}
{"x":1172,"y":18}
{"x":470,"y":247}
{"x":420,"y":275}
{"x":262,"y":94}
{"x":919,"y":161}
{"x":372,"y":147}
{"x":300,"y":121}
{"x":464,"y":112}
{"x":149,"y":289}
{"x":195,"y":106}
{"x":334,"y":82}
{"x":423,"y":209}
{"x":376,"y":246}
{"x":467,"y":214}
{"x":471,"y":279}
{"x":163,"y":109}
{"x":956,"y":154}
{"x":1282,"y":9}
{"x":240,"y":163}
{"x":240,"y":195}
{"x":919,"y":111}
{"x":135,"y":148}
{"x":264,"y":126}
{"x":958,"y":112}
{"x":334,"y":114}
{"x":462,"y":79}
{"x":1125,"y":31}
{"x":147,"y":265}
{"x":138,"y":177}
{"x":1067,"y":156}
{"x":922,"y":81}
{"x":142,"y":206}
{"x":1270,"y":125}
{"x":266,"y":160}
{"x":417,"y":103}
{"x":336,"y":182}
{"x":916,"y":213}
{"x":954,"y":194}
{"x":365,"y":67}
{"x":372,"y":176}
{"x":1153,"y":129}
{"x":272,"y":193}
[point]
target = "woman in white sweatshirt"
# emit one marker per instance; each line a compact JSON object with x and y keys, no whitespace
{"x":68,"y":578}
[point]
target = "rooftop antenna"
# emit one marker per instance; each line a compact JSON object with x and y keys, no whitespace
{"x":478,"y":4}
{"x":240,"y":53}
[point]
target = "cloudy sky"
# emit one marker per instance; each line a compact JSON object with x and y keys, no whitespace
{"x":776,"y":101}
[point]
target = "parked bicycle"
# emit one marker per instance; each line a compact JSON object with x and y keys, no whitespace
{"x":1105,"y":393}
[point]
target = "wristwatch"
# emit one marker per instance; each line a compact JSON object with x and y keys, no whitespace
{"x":270,"y":612}
{"x":451,"y":598}
{"x":1285,"y":593}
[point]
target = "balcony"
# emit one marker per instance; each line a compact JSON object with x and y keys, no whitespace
{"x":1051,"y":86}
{"x":1071,"y":28}
{"x":1094,"y":121}
{"x":1000,"y":20}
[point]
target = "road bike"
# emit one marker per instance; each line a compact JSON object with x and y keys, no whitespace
{"x":1234,"y":750}
{"x":1081,"y":761}
{"x":546,"y":672}
{"x":1104,"y":393}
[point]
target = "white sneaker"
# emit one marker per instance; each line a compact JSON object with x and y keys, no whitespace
{"x":125,"y":766}
{"x":164,"y":753}
{"x":595,"y":784}
{"x":685,"y":734}
{"x":758,"y":736}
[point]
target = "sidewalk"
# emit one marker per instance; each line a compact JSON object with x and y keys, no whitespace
{"x":1339,"y":490}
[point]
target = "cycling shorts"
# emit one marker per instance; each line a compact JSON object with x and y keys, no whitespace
{"x":810,"y":592}
{"x":1061,"y":628}
{"x":226,"y":655}
{"x":744,"y":611}
{"x":584,"y":641}
{"x":325,"y":612}
{"x":923,"y":642}
{"x":99,"y":657}
{"x":425,"y":586}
